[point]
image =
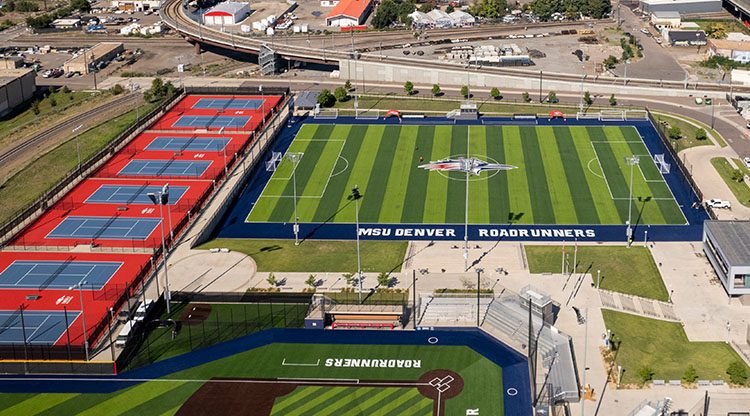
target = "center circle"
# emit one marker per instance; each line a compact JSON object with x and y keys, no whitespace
{"x":472,"y":177}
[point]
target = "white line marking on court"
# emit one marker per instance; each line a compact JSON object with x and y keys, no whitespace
{"x":588,"y":165}
{"x":315,"y":364}
{"x":604,"y":175}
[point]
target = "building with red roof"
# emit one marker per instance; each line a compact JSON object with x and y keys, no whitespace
{"x":349,"y":13}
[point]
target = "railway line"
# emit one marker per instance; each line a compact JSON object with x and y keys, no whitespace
{"x":66,"y":126}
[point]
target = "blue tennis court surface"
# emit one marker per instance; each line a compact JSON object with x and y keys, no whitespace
{"x":195,"y":144}
{"x":30,"y":274}
{"x":234,"y":122}
{"x":40,"y":327}
{"x":165,"y":168}
{"x":132,"y":194}
{"x":229,"y":103}
{"x":115,"y":228}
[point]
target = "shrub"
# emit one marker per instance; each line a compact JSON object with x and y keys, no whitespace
{"x":674,"y":133}
{"x":341,"y":94}
{"x":35,"y":107}
{"x":348,"y":85}
{"x":525,"y":97}
{"x":436,"y":90}
{"x":117,"y":89}
{"x":495,"y":93}
{"x":271,"y":279}
{"x":645,"y":374}
{"x":52,"y":101}
{"x":690,"y":374}
{"x":409,"y":87}
{"x":612,"y":100}
{"x":701,"y":134}
{"x":737,"y":372}
{"x":465,"y":91}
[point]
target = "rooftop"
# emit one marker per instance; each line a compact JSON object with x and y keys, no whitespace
{"x":9,"y":75}
{"x":99,"y":50}
{"x":730,"y":44}
{"x":676,"y":2}
{"x":733,"y":239}
{"x":350,"y":8}
{"x":230,"y":7}
{"x":666,"y":15}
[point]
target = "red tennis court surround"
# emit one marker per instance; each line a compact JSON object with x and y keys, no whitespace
{"x":96,"y":303}
{"x":157,"y":165}
{"x":167,"y":144}
{"x":208,"y":113}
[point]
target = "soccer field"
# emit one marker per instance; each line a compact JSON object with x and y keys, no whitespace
{"x":566,"y":175}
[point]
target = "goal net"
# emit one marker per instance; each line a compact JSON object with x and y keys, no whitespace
{"x":661,"y":163}
{"x":609,"y":115}
{"x":367,"y":114}
{"x":326,"y":113}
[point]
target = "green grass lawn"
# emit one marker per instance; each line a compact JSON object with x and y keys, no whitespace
{"x":36,"y":178}
{"x":317,"y":256}
{"x":482,"y":378}
{"x":731,"y":25}
{"x":225,"y":322}
{"x":625,"y":270}
{"x":565,"y":175}
{"x":688,"y":132}
{"x":740,"y":189}
{"x":355,"y":400}
{"x":664,"y":347}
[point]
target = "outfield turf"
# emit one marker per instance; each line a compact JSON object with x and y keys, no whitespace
{"x":483,"y":386}
{"x":566,"y":175}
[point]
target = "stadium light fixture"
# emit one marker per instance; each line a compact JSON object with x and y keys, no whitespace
{"x":79,"y":286}
{"x":356,"y":196}
{"x":632,"y":161}
{"x":160,"y":198}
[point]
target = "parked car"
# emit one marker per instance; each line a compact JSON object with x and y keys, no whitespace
{"x":746,"y":161}
{"x":644,"y":31}
{"x":718,"y":203}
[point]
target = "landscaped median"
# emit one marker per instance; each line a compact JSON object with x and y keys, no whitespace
{"x":734,"y":178}
{"x":626,"y":270}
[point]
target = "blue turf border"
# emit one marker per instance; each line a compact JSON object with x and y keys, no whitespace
{"x":515,"y":372}
{"x":233,"y":224}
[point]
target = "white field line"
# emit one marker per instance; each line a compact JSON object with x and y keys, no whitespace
{"x":315,"y":364}
{"x":330,"y":175}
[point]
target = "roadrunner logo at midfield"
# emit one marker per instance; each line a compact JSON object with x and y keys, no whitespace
{"x":462,"y":164}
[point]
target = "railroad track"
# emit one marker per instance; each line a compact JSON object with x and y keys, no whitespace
{"x":66,"y":125}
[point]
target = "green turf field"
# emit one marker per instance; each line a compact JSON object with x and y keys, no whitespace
{"x":165,"y":396}
{"x":566,"y":175}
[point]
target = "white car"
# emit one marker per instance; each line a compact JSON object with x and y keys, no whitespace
{"x":718,"y":203}
{"x":746,"y":161}
{"x":644,"y":31}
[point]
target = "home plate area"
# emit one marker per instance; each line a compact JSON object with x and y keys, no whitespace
{"x":425,"y":396}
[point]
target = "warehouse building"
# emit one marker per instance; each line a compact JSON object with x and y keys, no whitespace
{"x":227,"y":13}
{"x":16,"y":87}
{"x":90,"y":59}
{"x":136,"y":5}
{"x":727,"y":247}
{"x":738,"y":51}
{"x":681,"y":6}
{"x":349,"y":13}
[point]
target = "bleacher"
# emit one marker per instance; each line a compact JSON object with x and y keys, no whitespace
{"x":452,"y":311}
{"x":507,"y":318}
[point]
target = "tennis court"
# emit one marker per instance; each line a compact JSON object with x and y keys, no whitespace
{"x":114,"y":228}
{"x":140,"y":167}
{"x":190,"y":144}
{"x":228,"y":103}
{"x":133,"y":194}
{"x":234,"y":122}
{"x":37,"y":327}
{"x":33,"y":274}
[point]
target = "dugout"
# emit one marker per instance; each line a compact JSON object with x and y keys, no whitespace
{"x":327,"y":313}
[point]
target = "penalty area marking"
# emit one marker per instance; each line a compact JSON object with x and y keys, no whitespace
{"x":315,"y":364}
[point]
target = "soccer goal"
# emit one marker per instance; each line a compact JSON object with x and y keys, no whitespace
{"x":612,"y":115}
{"x":367,"y":114}
{"x":326,"y":113}
{"x":273,"y":163}
{"x":661,"y":163}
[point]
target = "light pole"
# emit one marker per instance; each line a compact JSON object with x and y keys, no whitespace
{"x":598,"y":278}
{"x":632,"y":161}
{"x":625,"y":77}
{"x":294,"y":158}
{"x":356,"y":196}
{"x":79,"y":286}
{"x":78,"y":147}
{"x":160,"y":198}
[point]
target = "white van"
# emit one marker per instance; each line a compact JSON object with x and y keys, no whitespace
{"x":140,"y":313}
{"x":122,"y":337}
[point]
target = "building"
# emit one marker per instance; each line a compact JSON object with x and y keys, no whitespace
{"x":227,"y":13}
{"x":136,"y":5}
{"x":461,"y":18}
{"x":11,"y":62}
{"x":735,"y":50}
{"x":727,"y":247}
{"x":16,"y":87}
{"x":420,"y":20}
{"x":681,"y":6}
{"x":685,"y":37}
{"x":90,"y":59}
{"x":349,"y":13}
{"x":440,"y":18}
{"x":666,"y":20}
{"x":741,"y":77}
{"x":328,"y":3}
{"x":72,"y":23}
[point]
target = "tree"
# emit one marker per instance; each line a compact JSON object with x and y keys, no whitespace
{"x":737,"y":175}
{"x":701,"y":134}
{"x":271,"y":279}
{"x":427,"y":6}
{"x":409,"y":87}
{"x":525,"y":97}
{"x":65,"y":89}
{"x":490,"y":9}
{"x":645,"y":374}
{"x":737,"y":372}
{"x":612,"y":100}
{"x":690,"y":374}
{"x":610,"y":62}
{"x":341,"y":94}
{"x":587,"y":98}
{"x":716,"y":31}
{"x":348,"y":85}
{"x":465,"y":91}
{"x":436,"y":90}
{"x":384,"y":279}
{"x":392,"y":11}
{"x":117,"y":89}
{"x":495,"y":93}
{"x":326,"y":99}
{"x":157,"y":87}
{"x":35,"y":107}
{"x":311,"y":281}
{"x":674,"y":133}
{"x":82,"y":5}
{"x":52,"y":101}
{"x":349,"y":278}
{"x":552,"y":97}
{"x":450,"y":9}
